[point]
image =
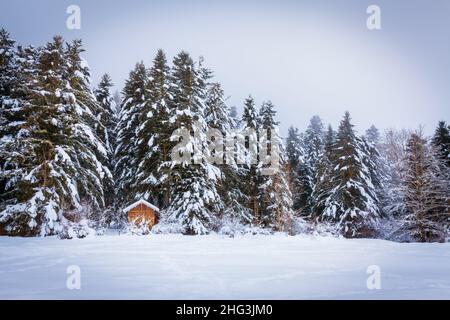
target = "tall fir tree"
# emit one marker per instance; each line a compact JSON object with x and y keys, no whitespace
{"x":218,"y":117}
{"x":301,"y":172}
{"x":323,"y":187}
{"x":15,"y":71}
{"x":107,"y":118}
{"x":60,"y":149}
{"x":8,"y":66}
{"x":85,"y":130}
{"x":376,"y":167}
{"x":441,"y":140}
{"x":393,"y":152}
{"x":250,"y":117}
{"x":192,"y":179}
{"x":134,"y":99}
{"x":373,"y":135}
{"x":107,"y":114}
{"x":296,"y":157}
{"x":250,"y":169}
{"x":274,"y":192}
{"x":154,"y":133}
{"x":425,"y":188}
{"x":313,"y":146}
{"x":353,"y":202}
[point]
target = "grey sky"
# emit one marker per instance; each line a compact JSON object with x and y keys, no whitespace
{"x":308,"y":57}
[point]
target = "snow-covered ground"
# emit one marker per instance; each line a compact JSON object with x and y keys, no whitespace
{"x":218,"y":267}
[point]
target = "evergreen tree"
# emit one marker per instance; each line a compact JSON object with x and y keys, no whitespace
{"x":15,"y":76}
{"x":154,"y":133}
{"x":353,"y":202}
{"x":313,"y":146}
{"x":217,"y":112}
{"x":393,"y":152}
{"x":87,"y":124}
{"x":300,"y":172}
{"x":107,"y":118}
{"x":107,"y":114}
{"x":250,"y":117}
{"x":323,"y":188}
{"x":230,"y":187}
{"x":373,"y":135}
{"x":250,"y":172}
{"x":274,"y":192}
{"x":314,"y":136}
{"x":375,"y":163}
{"x":426,"y":192}
{"x":8,"y":65}
{"x":126,"y":153}
{"x":59,"y":148}
{"x":193,"y":181}
{"x":17,"y":68}
{"x":295,"y":156}
{"x":441,"y":140}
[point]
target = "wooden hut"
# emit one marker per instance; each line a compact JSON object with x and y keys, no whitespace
{"x":142,"y":212}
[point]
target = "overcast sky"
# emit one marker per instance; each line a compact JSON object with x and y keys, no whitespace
{"x":308,"y":57}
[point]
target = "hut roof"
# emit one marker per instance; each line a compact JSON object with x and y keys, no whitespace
{"x":134,"y":205}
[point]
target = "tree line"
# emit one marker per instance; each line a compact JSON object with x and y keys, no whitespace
{"x":73,"y":155}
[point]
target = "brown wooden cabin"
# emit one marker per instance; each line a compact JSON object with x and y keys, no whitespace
{"x":142,"y":211}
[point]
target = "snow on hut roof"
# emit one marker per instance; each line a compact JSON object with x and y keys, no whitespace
{"x":134,"y":205}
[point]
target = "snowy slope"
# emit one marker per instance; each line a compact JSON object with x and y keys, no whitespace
{"x":211,"y":267}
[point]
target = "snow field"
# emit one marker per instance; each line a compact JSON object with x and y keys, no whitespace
{"x":218,"y":267}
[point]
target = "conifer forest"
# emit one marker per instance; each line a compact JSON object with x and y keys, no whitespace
{"x":73,"y":155}
{"x":249,"y":150}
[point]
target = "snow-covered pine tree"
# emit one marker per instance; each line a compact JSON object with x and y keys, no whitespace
{"x":441,"y":140}
{"x":107,"y":115}
{"x":393,"y":152}
{"x":300,"y":179}
{"x":8,"y":66}
{"x":107,"y":118}
{"x":426,"y":188}
{"x":126,"y":153}
{"x":323,"y":187}
{"x":154,"y":133}
{"x":250,"y":118}
{"x":59,"y":148}
{"x":313,"y":146}
{"x":375,"y":163}
{"x":373,"y":135}
{"x":218,"y":117}
{"x":91,"y":148}
{"x":250,"y":170}
{"x":193,"y":181}
{"x":14,"y":78}
{"x":353,"y":202}
{"x":294,"y":154}
{"x":10,"y":102}
{"x":274,"y":192}
{"x":16,"y":70}
{"x":217,"y":112}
